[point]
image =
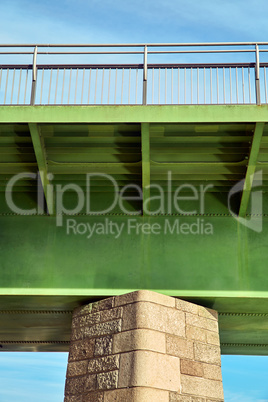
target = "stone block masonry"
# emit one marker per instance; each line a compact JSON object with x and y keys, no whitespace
{"x":144,"y":347}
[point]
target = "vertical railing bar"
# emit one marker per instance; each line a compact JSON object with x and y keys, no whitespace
{"x":204,"y":85}
{"x":26,"y":81}
{"x":82,"y":89}
{"x":96,"y":83}
{"x":56,"y":89}
{"x":184,"y":85}
{"x":172,"y":86}
{"x":102,"y":83}
{"x":41,"y":89}
{"x":191,"y":86}
{"x":6,"y":86}
{"x":34,"y":77}
{"x":109,"y":86}
{"x":210,"y":85}
{"x":69,"y":91}
{"x":257,"y":75}
{"x":265,"y":86}
{"x":63,"y":82}
{"x":50,"y":86}
{"x":12,"y":88}
{"x":144,"y":95}
{"x":136,"y":90}
{"x":243,"y":85}
{"x":89,"y":84}
{"x":218,"y":95}
{"x":249,"y":82}
{"x":236,"y":75}
{"x":165,"y":85}
{"x":0,"y":77}
{"x":76,"y":82}
{"x":129,"y":85}
{"x":223,"y":71}
{"x":198,"y":85}
{"x":230,"y":73}
{"x":115,"y":86}
{"x":152,"y":86}
{"x":18,"y":87}
{"x":122,"y":88}
{"x":159,"y":87}
{"x":178,"y":85}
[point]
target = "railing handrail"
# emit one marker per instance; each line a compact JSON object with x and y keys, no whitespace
{"x":134,"y":49}
{"x":134,"y":65}
{"x":138,"y":44}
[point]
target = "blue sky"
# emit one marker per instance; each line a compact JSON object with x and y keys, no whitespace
{"x":31,"y":376}
{"x":132,"y":21}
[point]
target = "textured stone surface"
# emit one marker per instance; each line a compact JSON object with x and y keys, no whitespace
{"x":142,"y":347}
{"x":138,"y":339}
{"x":90,"y":382}
{"x":149,"y":369}
{"x":153,"y":316}
{"x":136,"y":395}
{"x":104,"y":328}
{"x":104,"y":304}
{"x":72,"y":398}
{"x":214,"y":400}
{"x":93,"y":397}
{"x":75,"y":385}
{"x":192,"y":368}
{"x":213,"y":338}
{"x":201,"y":322}
{"x":82,"y":310}
{"x":77,"y":368}
{"x":112,"y":314}
{"x":174,"y":397}
{"x":201,"y":387}
{"x":208,"y":313}
{"x":196,"y":333}
{"x":179,"y":347}
{"x":145,"y":296}
{"x":207,"y":353}
{"x":186,"y":306}
{"x":107,"y":380}
{"x":86,"y":320}
{"x":103,"y":345}
{"x":107,"y":363}
{"x":82,"y":349}
{"x":212,"y":371}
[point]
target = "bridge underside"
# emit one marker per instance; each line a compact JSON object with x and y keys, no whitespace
{"x":189,"y":246}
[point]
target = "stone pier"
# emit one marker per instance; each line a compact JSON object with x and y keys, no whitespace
{"x":144,"y":347}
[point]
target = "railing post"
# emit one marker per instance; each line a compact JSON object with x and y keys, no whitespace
{"x":144,"y":95}
{"x":257,"y":75}
{"x":34,"y":77}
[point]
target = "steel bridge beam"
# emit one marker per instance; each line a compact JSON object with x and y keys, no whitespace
{"x":255,"y":147}
{"x":135,"y":114}
{"x":40,"y":153}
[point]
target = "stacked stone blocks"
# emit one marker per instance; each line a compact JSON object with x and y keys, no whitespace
{"x":144,"y":346}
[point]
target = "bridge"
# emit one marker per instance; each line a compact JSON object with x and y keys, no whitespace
{"x":133,"y":166}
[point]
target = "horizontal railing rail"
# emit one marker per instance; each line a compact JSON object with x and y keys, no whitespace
{"x":143,"y":82}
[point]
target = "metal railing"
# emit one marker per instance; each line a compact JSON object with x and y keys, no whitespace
{"x":174,"y":80}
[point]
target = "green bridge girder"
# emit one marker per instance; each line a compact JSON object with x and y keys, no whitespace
{"x":46,"y":269}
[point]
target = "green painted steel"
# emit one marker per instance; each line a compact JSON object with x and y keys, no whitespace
{"x":40,"y":153}
{"x":145,"y":148}
{"x":54,"y":263}
{"x":225,"y":270}
{"x":253,"y":157}
{"x":135,"y":114}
